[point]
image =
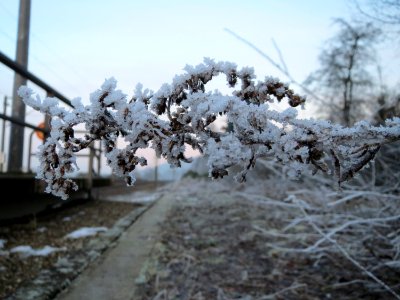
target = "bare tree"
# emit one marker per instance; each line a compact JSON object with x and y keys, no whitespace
{"x":382,"y":11}
{"x":344,"y":74}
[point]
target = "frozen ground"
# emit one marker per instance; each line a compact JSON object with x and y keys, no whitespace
{"x":28,"y":249}
{"x":270,"y":240}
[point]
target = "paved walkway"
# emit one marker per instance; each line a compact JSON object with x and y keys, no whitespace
{"x":112,"y":276}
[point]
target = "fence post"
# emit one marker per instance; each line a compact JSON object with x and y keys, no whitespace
{"x":90,"y":171}
{"x":3,"y":133}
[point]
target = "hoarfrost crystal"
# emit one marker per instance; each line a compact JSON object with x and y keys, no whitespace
{"x":180,"y":114}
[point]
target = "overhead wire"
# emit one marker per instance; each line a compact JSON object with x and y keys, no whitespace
{"x":43,"y":44}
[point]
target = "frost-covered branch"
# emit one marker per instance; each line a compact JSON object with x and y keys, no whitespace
{"x":181,"y":113}
{"x":364,"y":229}
{"x":347,"y":255}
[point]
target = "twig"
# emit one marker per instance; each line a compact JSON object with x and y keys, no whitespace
{"x":348,"y":256}
{"x":283,"y":69}
{"x":363,"y":194}
{"x":292,"y":287}
{"x":278,"y":50}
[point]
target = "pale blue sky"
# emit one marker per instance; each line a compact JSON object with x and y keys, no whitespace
{"x":75,"y":44}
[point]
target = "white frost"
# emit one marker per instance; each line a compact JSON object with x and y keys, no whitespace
{"x":85,"y":231}
{"x":183,"y":113}
{"x":29,"y":251}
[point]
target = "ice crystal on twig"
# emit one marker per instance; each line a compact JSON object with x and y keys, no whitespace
{"x":258,"y":131}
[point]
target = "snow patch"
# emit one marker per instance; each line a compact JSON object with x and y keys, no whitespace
{"x":26,"y":251}
{"x":41,"y":229}
{"x":85,"y":231}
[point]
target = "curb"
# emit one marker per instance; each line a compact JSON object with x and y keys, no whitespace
{"x":49,"y":283}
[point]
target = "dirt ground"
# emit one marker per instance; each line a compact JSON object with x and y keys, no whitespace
{"x":51,"y":231}
{"x":217,"y":242}
{"x":217,"y":245}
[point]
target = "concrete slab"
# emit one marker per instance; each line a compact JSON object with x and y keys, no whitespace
{"x":112,"y":277}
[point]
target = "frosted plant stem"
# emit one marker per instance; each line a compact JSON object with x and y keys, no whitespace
{"x":273,"y":296}
{"x":181,"y":114}
{"x":347,"y":255}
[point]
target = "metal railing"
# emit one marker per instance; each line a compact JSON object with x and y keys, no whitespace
{"x":21,"y":123}
{"x":31,"y":77}
{"x":94,"y":153}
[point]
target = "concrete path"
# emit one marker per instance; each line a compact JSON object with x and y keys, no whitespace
{"x":112,"y":277}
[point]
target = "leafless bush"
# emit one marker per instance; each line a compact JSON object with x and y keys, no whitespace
{"x":358,"y":223}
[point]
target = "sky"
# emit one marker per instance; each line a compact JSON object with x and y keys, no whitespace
{"x":75,"y":45}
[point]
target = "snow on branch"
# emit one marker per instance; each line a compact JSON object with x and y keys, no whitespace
{"x":181,"y":113}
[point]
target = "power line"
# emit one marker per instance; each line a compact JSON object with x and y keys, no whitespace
{"x":36,"y":59}
{"x":10,"y":14}
{"x":71,"y":68}
{"x":7,"y":36}
{"x":55,"y":73}
{"x":51,"y":51}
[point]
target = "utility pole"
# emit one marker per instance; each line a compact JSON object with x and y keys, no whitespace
{"x":16,"y":147}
